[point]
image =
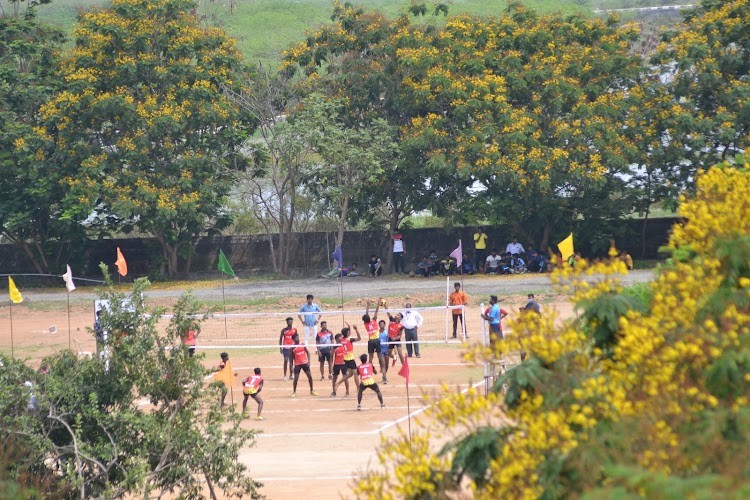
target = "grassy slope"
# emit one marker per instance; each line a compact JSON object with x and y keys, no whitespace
{"x":265,"y":28}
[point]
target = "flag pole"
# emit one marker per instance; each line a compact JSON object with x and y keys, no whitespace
{"x":341,"y":295}
{"x":408,"y":410}
{"x":224,"y":302}
{"x":11,"y":329}
{"x":448,"y":310}
{"x":69,"y":319}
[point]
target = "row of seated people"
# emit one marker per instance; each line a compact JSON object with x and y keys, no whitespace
{"x":494,"y":264}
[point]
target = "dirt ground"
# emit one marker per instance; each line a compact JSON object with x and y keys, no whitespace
{"x":310,"y":445}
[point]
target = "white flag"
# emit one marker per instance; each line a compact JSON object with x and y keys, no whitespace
{"x":68,"y":278}
{"x":458,"y":254}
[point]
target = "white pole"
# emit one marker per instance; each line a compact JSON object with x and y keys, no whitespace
{"x":463,"y":322}
{"x":448,"y":311}
{"x":487,"y":374}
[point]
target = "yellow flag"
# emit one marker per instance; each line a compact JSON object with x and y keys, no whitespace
{"x":15,"y":295}
{"x":225,"y":375}
{"x":566,"y":247}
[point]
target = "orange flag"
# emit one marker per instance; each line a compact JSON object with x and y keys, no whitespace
{"x":225,"y":375}
{"x":122,"y":266}
{"x":404,"y":371}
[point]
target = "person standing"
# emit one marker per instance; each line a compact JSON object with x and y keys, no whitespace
{"x":323,"y":347}
{"x":383,"y":354}
{"x":367,"y":381}
{"x":339,"y":367}
{"x":189,"y":338}
{"x":457,"y":298}
{"x":351,"y":364}
{"x":480,"y":247}
{"x":494,"y":315}
{"x":394,"y":337}
{"x":301,"y":363}
{"x":411,"y":320}
{"x":399,"y":252}
{"x":310,"y":320}
{"x":371,"y":327}
{"x":531,"y":305}
{"x":286,"y":342}
{"x":222,"y":364}
{"x":514,"y":247}
{"x":251,"y":388}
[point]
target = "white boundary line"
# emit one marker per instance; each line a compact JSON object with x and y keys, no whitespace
{"x":360,"y":433}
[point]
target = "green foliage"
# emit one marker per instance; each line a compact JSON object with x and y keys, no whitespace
{"x":142,"y":135}
{"x":473,"y":454}
{"x":529,"y":377}
{"x":601,"y":315}
{"x":92,"y":426}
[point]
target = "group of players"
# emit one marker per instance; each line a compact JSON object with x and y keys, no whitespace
{"x":383,"y":342}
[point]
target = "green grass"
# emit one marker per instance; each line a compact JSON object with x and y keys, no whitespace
{"x":264,"y":28}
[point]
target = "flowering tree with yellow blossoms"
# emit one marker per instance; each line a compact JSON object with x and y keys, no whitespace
{"x":143,"y":135}
{"x":644,"y":393}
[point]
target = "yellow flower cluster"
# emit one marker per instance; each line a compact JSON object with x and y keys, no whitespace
{"x":650,"y":389}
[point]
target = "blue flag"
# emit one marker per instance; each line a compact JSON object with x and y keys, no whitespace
{"x":337,"y":256}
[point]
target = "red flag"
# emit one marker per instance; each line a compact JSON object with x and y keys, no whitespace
{"x":404,"y":371}
{"x":122,"y":266}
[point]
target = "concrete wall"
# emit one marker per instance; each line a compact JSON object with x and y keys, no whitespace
{"x":249,"y":254}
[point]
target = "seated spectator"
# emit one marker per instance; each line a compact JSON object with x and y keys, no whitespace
{"x":448,"y":266}
{"x":423,"y":268}
{"x":492,"y":262}
{"x":537,"y":263}
{"x":517,"y":264}
{"x":376,"y":266}
{"x":350,"y":271}
{"x":434,"y":263}
{"x":627,"y":259}
{"x":514,"y":247}
{"x":505,"y":263}
{"x":467,"y":265}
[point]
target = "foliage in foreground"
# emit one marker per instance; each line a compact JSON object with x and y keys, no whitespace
{"x":145,"y":423}
{"x":643,"y":394}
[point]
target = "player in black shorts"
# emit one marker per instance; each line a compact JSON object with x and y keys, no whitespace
{"x":301,"y":363}
{"x":323,"y":341}
{"x":339,"y":367}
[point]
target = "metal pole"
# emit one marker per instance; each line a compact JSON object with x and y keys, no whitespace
{"x":224,"y":302}
{"x":408,"y":410}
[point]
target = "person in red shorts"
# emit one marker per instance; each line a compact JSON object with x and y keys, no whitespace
{"x":351,"y":364}
{"x":251,"y":388}
{"x":367,"y":381}
{"x":286,"y":343}
{"x":301,"y":363}
{"x":394,"y":336}
{"x":371,"y":327}
{"x":339,"y":366}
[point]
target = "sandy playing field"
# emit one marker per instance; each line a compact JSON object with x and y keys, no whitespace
{"x":314,"y":446}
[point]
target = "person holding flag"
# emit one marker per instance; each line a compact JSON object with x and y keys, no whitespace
{"x":225,"y":375}
{"x":367,"y":381}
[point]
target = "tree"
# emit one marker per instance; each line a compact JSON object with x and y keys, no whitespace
{"x":705,"y":64}
{"x":30,"y":207}
{"x":531,"y":107}
{"x":646,"y":393}
{"x":280,"y":161}
{"x":141,"y":129}
{"x":359,"y":53}
{"x":92,"y":432}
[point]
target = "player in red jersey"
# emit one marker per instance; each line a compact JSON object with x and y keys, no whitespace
{"x":251,"y":388}
{"x":339,"y":366}
{"x":301,"y":362}
{"x":351,"y":364}
{"x":394,"y":336}
{"x":367,"y":381}
{"x":371,"y":327}
{"x":285,"y":345}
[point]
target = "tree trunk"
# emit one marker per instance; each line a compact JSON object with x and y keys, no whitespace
{"x":643,"y":233}
{"x":170,"y":253}
{"x":344,"y":212}
{"x":39,"y":266}
{"x":545,"y":237}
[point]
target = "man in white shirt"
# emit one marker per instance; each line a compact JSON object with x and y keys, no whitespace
{"x":514,"y":247}
{"x":399,"y":251}
{"x":492,"y":263}
{"x":412,"y":321}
